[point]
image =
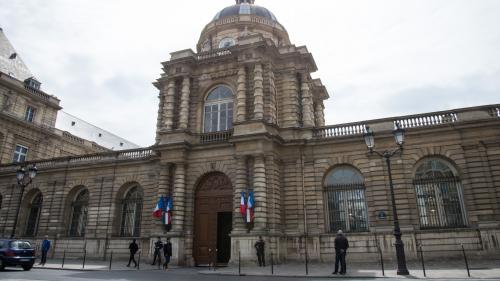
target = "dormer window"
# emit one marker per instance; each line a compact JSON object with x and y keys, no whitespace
{"x":32,"y":83}
{"x":219,"y":110}
{"x":30,"y":114}
{"x":226,"y":43}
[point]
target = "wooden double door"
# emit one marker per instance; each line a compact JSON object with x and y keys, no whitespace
{"x":213,"y":220}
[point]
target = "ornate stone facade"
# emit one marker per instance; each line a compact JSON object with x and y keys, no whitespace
{"x":250,"y":111}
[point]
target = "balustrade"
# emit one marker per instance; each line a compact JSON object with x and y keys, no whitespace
{"x":340,"y":131}
{"x":216,"y":137}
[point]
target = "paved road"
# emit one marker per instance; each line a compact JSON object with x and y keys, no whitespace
{"x":149,"y":275}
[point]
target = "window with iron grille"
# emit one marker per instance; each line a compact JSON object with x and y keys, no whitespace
{"x":346,"y":202}
{"x":131,"y":213}
{"x":439,"y":196}
{"x":79,"y":211}
{"x":34,"y":212}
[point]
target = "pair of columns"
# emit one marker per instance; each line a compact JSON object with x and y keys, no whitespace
{"x":169,"y":105}
{"x":241,"y":90}
{"x":172,"y":182}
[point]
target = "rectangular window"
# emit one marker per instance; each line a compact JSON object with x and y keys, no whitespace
{"x":30,"y":114}
{"x":20,"y":153}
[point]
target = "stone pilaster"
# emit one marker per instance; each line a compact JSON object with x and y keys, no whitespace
{"x":307,"y":103}
{"x":241,"y":185}
{"x":179,"y":197}
{"x":320,"y":115}
{"x":241,"y":96}
{"x":184,"y":112}
{"x":168,"y":109}
{"x":260,"y":193}
{"x":258,"y":112}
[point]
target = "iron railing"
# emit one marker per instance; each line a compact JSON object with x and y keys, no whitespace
{"x":216,"y":137}
{"x":347,"y":209}
{"x":440,"y":202}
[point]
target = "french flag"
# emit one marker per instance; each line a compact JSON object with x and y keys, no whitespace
{"x":250,"y":208}
{"x":167,"y":217}
{"x":157,"y":212}
{"x":243,"y":206}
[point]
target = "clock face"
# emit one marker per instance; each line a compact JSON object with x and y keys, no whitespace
{"x":226,"y":42}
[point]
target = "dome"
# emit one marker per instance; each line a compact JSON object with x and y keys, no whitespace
{"x":245,"y":8}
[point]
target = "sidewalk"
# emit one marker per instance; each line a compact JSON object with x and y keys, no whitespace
{"x":454,"y":269}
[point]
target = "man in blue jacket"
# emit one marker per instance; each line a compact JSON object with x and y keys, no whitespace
{"x":45,"y":249}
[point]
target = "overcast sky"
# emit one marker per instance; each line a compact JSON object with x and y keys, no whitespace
{"x":376,"y":58}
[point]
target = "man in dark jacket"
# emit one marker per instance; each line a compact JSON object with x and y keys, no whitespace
{"x":259,"y":247}
{"x":341,"y":246}
{"x":45,"y":249}
{"x":167,"y":252}
{"x":157,"y":253}
{"x":133,"y":247}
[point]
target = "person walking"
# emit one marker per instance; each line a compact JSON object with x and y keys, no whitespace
{"x":167,"y":252}
{"x":158,"y":248}
{"x":260,"y":247}
{"x":133,"y":250}
{"x":45,"y":249}
{"x":341,"y":245}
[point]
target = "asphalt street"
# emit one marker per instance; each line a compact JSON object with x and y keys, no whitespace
{"x":151,"y":275}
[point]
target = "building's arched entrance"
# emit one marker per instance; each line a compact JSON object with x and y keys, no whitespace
{"x":213,"y":219}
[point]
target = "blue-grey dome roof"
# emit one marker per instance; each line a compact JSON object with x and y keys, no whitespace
{"x":245,"y":9}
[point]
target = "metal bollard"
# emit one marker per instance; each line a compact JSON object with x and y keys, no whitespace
{"x":139,"y":261}
{"x":381,"y":259}
{"x":422,"y":259}
{"x":239,"y":263}
{"x":84,"y":258}
{"x":272,"y":264}
{"x":64,"y":258}
{"x":110,"y":260}
{"x":466,"y":261}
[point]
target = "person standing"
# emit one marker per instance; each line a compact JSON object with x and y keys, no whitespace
{"x":167,"y":252}
{"x":341,"y":245}
{"x":157,"y":253}
{"x":45,"y":249}
{"x":133,"y":247}
{"x":260,"y":247}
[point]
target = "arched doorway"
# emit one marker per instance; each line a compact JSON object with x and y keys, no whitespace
{"x":213,"y":219}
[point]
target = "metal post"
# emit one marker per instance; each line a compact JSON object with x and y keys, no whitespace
{"x":400,"y":250}
{"x":209,"y":259}
{"x":139,"y":261}
{"x":422,"y":259}
{"x":64,"y":258}
{"x":84,"y":258}
{"x":215,"y":259}
{"x":381,"y":259}
{"x":466,"y":261}
{"x":272,"y":264}
{"x":13,"y":234}
{"x":110,"y":260}
{"x":239,"y":263}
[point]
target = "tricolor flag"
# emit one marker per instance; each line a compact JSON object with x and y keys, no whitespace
{"x":157,"y":212}
{"x":243,"y":206}
{"x":250,"y":208}
{"x":167,"y":217}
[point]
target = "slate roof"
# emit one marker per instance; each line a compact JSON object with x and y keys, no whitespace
{"x":10,"y":61}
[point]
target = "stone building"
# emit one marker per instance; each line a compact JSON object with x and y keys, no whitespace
{"x":241,"y":114}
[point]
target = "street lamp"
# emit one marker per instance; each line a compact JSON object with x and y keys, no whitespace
{"x":399,"y":136}
{"x":25,"y":176}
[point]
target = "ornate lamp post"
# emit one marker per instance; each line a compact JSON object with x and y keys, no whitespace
{"x":24,"y":177}
{"x":399,"y":135}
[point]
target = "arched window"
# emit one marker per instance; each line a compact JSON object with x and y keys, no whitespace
{"x":219,"y":110}
{"x":79,"y":212}
{"x":131,"y":213}
{"x":345,"y":198}
{"x":34,"y":211}
{"x":439,"y":195}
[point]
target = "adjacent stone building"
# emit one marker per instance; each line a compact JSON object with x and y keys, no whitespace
{"x":242,"y":114}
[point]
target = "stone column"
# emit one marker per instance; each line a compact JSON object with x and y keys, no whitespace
{"x":241,"y":91}
{"x":320,"y":115}
{"x":241,"y":185}
{"x":273,"y":112}
{"x":163,"y":181}
{"x":258,"y":113}
{"x":260,"y":193}
{"x":289,"y":101}
{"x":168,"y":108}
{"x":179,"y":194}
{"x":184,"y":112}
{"x":307,"y":103}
